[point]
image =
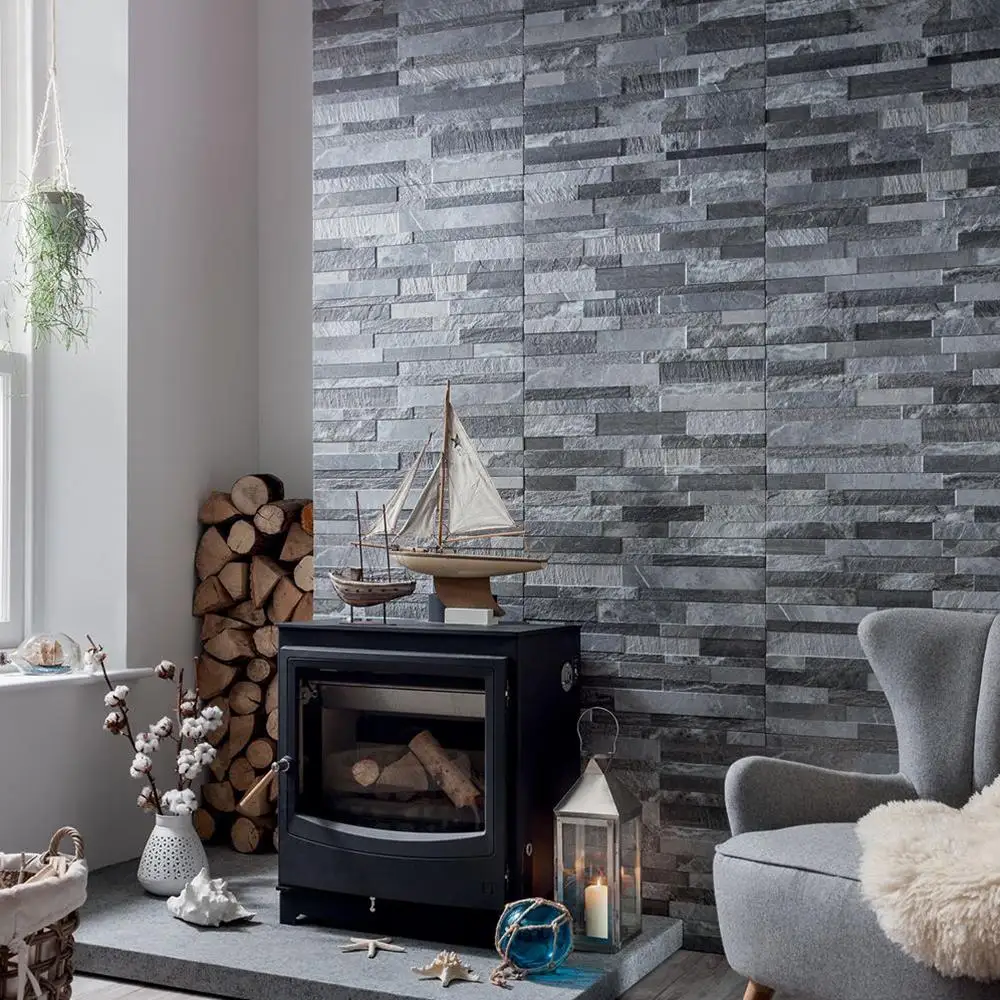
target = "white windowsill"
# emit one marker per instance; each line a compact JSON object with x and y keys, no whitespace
{"x":17,"y":681}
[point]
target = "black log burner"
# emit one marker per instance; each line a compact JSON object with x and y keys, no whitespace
{"x":425,"y":762}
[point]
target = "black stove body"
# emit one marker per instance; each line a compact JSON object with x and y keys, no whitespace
{"x":425,"y":762}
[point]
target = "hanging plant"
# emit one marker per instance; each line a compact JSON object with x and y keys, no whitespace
{"x":57,"y":235}
{"x":55,"y":240}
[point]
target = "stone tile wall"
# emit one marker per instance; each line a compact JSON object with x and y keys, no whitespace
{"x":717,"y":286}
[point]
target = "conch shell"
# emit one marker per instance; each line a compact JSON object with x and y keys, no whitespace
{"x":447,"y":967}
{"x":207,"y":902}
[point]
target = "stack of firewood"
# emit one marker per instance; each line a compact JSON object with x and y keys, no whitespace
{"x":255,"y":570}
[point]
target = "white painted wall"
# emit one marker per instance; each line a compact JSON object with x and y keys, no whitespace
{"x":168,"y":117}
{"x":284,"y":175}
{"x":192,"y":278}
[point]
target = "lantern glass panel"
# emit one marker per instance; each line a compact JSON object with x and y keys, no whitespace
{"x":631,"y":878}
{"x":588,"y":871}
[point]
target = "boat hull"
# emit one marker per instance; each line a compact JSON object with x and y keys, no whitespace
{"x":465,"y":566}
{"x":369,"y":593}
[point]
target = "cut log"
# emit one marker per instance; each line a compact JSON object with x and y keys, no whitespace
{"x":244,"y":698}
{"x":213,"y":624}
{"x":304,"y":609}
{"x":212,"y":554}
{"x":454,"y":784}
{"x":265,"y":640}
{"x":217,"y":735}
{"x":260,"y":753}
{"x":259,"y":670}
{"x":365,"y":771}
{"x":242,"y":775}
{"x":257,"y":802}
{"x":210,"y":595}
{"x":240,"y":732}
{"x":219,"y":795}
{"x":272,"y":724}
{"x":217,"y":509}
{"x":244,"y":539}
{"x":264,"y":576}
{"x":246,"y":612}
{"x":304,"y":573}
{"x":404,"y":775}
{"x":213,"y":676}
{"x":250,"y":493}
{"x":298,"y":543}
{"x":232,"y":644}
{"x":275,"y":518}
{"x":306,"y":517}
{"x":219,"y":766}
{"x":271,"y":698}
{"x":204,"y":824}
{"x":249,"y":835}
{"x":235,"y":577}
{"x":284,"y":600}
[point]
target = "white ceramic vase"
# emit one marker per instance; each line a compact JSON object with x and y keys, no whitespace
{"x":173,"y":855}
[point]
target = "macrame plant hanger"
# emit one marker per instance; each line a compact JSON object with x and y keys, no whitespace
{"x":51,"y":112}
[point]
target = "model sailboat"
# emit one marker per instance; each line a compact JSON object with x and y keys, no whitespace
{"x":458,"y":504}
{"x":358,"y":591}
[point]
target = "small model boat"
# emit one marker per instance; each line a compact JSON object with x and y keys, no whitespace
{"x":358,"y":591}
{"x":458,"y":504}
{"x":365,"y":592}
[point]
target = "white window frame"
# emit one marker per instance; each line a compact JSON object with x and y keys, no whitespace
{"x":16,"y":104}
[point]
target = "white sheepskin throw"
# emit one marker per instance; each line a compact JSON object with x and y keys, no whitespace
{"x":932,"y":875}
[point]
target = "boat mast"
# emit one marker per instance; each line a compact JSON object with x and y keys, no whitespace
{"x":361,"y":548}
{"x":385,"y":528}
{"x":444,"y":465}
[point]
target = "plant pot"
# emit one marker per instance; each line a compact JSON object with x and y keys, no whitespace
{"x":173,"y":855}
{"x":58,"y":205}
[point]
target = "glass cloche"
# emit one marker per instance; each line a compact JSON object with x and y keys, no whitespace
{"x":48,"y":653}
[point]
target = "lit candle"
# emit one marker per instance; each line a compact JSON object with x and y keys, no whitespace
{"x":595,"y":908}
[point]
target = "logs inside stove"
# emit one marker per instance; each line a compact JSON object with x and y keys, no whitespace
{"x":424,"y":762}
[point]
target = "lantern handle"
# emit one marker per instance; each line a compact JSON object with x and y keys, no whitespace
{"x":590,"y":712}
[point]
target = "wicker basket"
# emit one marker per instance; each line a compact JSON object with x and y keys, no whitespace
{"x":48,"y":951}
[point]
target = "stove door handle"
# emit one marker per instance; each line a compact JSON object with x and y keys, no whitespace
{"x":283,"y":766}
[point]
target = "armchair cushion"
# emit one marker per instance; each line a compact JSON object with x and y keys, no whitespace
{"x":793,"y":918}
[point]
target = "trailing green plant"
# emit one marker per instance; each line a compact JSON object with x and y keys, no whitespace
{"x":56,"y":238}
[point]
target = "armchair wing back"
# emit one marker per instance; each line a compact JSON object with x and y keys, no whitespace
{"x":940,"y":671}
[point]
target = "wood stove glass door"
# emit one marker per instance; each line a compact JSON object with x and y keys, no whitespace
{"x":400,"y":754}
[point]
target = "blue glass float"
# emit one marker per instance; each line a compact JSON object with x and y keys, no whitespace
{"x":534,"y":936}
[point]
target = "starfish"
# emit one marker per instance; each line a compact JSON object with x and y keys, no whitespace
{"x":372,"y":945}
{"x":447,"y":967}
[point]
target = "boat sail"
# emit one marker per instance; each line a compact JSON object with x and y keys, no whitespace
{"x":459,"y":503}
{"x":396,"y":503}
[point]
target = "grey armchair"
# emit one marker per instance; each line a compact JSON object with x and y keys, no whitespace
{"x":786,"y":883}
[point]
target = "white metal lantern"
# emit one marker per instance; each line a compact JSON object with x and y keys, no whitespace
{"x":598,"y":871}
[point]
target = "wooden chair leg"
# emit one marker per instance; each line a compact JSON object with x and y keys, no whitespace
{"x":757,"y":992}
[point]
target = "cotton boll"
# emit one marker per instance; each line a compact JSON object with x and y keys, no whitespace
{"x":163,"y":728}
{"x":114,"y":722}
{"x":192,"y":729}
{"x":165,"y":670}
{"x":141,"y":765}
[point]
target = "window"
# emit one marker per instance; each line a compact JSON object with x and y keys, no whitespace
{"x":14,"y":123}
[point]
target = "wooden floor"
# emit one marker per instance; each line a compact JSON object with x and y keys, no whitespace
{"x":689,"y":975}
